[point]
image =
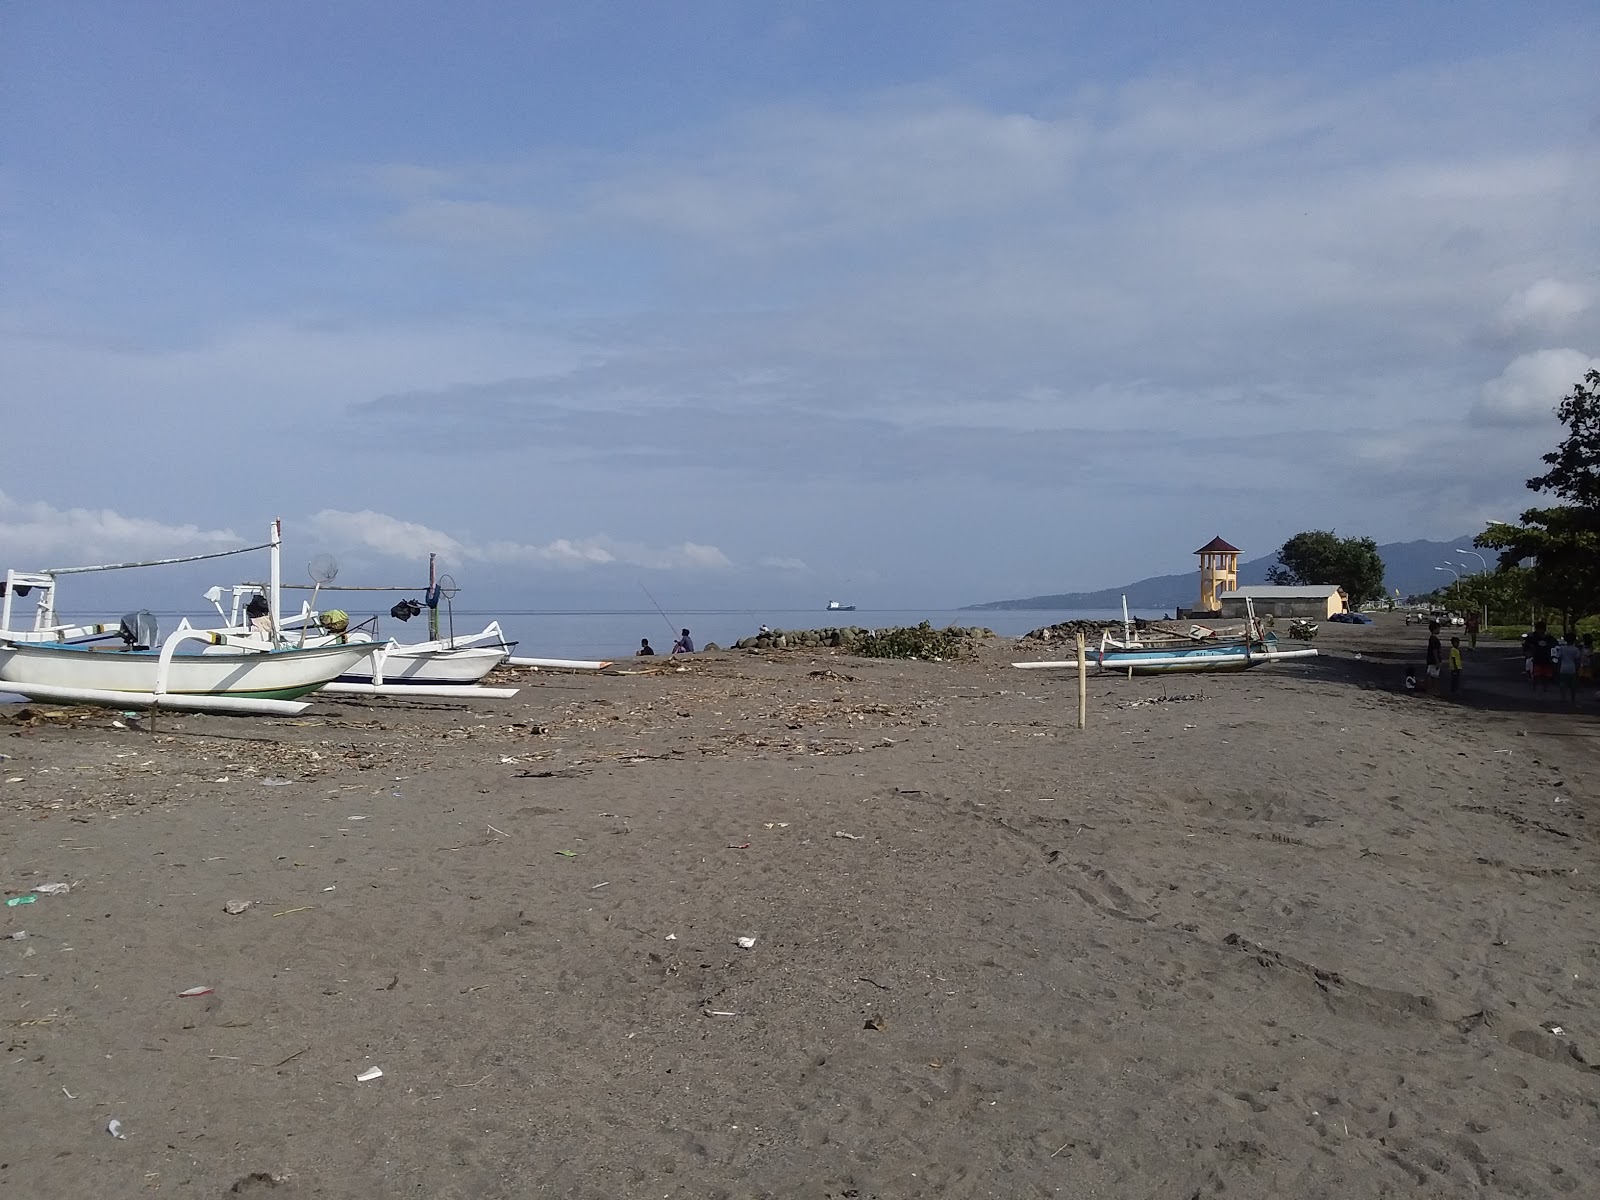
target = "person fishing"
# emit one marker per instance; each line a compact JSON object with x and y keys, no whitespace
{"x":684,"y":645}
{"x":644,"y":650}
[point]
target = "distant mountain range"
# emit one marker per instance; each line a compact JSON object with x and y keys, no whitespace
{"x":1408,"y":566}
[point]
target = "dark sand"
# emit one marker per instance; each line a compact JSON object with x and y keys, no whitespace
{"x":1286,"y":934}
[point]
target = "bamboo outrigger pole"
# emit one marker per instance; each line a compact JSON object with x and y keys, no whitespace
{"x":1083,"y":683}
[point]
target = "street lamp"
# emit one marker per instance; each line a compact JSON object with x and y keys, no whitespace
{"x":1475,"y":555}
{"x":1452,"y":571}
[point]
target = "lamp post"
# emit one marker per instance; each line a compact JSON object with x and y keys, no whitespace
{"x":1452,"y":571}
{"x":1482,"y":570}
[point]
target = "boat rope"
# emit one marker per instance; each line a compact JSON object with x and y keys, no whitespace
{"x":156,"y":562}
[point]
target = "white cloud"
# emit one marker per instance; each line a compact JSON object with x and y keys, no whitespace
{"x":396,"y":538}
{"x":1545,"y":306}
{"x":780,"y":563}
{"x":1528,"y":390}
{"x":36,"y":534}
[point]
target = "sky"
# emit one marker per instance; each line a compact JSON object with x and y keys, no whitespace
{"x":901,"y":303}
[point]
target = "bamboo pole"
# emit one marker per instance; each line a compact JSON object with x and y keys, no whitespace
{"x":1083,"y":683}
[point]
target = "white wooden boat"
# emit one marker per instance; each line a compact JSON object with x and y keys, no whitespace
{"x":247,"y":674}
{"x":452,"y":662}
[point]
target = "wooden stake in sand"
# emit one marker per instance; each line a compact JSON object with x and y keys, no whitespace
{"x":1083,"y":683}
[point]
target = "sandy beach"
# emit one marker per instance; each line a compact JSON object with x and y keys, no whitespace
{"x":1292,"y":933}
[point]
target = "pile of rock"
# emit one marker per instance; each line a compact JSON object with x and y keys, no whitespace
{"x":917,"y":641}
{"x":1069,"y":630}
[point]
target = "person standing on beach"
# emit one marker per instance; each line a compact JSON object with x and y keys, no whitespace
{"x":1567,"y":656}
{"x":1455,"y":665}
{"x":644,"y":650}
{"x":1435,"y":659}
{"x":684,"y":645}
{"x":1538,"y":648}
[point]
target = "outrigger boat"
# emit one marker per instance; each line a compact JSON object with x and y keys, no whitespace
{"x":1162,"y":652}
{"x":450,"y":662}
{"x":56,"y":661}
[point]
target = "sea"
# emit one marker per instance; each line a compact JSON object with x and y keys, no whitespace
{"x":615,"y":633}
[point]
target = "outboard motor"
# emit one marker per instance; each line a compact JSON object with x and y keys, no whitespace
{"x":139,"y":630}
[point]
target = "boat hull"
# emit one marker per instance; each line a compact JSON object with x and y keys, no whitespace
{"x":272,"y":675}
{"x":463,"y":665}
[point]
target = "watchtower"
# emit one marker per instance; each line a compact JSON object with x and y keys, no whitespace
{"x":1219,"y":572}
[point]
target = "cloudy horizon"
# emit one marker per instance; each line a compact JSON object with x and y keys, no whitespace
{"x":918,"y":304}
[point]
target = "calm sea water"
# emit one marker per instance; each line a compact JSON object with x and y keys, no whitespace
{"x":615,"y":633}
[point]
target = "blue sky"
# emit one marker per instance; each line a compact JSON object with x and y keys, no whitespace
{"x":899,"y":303}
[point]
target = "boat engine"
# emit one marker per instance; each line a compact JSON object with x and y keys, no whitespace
{"x":139,"y":630}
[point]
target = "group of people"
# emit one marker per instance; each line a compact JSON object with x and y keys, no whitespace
{"x":684,"y":645}
{"x":1567,"y":660}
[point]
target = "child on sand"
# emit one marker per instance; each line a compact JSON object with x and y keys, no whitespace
{"x":1455,"y":665}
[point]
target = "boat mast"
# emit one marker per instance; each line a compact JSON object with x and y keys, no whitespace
{"x":433,"y":606}
{"x":275,"y":585}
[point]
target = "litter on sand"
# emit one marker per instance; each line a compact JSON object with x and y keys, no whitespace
{"x":53,"y":889}
{"x":16,"y":900}
{"x":370,"y":1074}
{"x":196,"y":991}
{"x":114,"y":1128}
{"x":234,"y":907}
{"x":854,"y":837}
{"x":567,"y":853}
{"x":747,"y":943}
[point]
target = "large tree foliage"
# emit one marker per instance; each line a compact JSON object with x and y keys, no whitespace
{"x":1563,"y":541}
{"x":1564,"y":544}
{"x":1505,"y":595}
{"x":1321,"y":556}
{"x":1574,"y":473}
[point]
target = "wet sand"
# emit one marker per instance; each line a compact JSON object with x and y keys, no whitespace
{"x":1290,"y":933}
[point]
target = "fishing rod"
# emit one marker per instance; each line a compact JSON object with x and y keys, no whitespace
{"x":671,"y":628}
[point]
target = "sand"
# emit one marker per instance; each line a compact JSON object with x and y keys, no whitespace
{"x":1291,"y":933}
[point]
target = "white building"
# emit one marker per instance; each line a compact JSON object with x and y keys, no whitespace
{"x":1318,"y":600}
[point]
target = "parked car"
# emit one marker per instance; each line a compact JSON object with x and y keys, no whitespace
{"x":1352,"y":618}
{"x":1425,"y":618}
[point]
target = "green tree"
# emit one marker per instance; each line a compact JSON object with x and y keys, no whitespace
{"x":1504,"y":595}
{"x":1564,"y":544}
{"x":1564,"y":540}
{"x":1321,"y":556}
{"x":1574,"y":473}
